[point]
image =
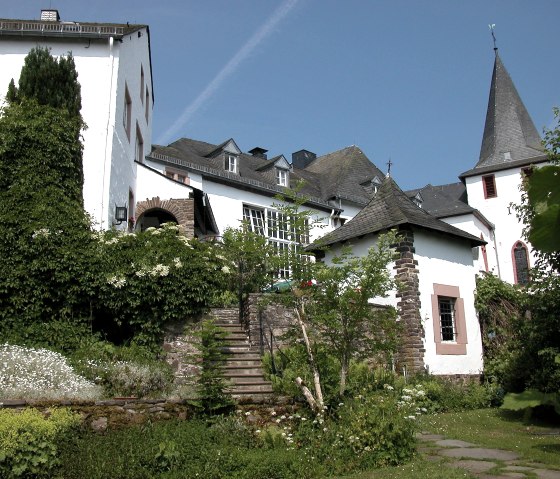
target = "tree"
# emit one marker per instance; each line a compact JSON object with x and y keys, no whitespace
{"x":340,"y":310}
{"x":45,"y":239}
{"x":331,"y":302}
{"x":50,"y":81}
{"x":252,"y":256}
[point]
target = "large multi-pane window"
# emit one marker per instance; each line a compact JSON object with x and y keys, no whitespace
{"x":282,"y":234}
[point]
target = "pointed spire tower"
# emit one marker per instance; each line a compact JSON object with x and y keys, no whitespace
{"x":508,"y":127}
{"x":510,"y":137}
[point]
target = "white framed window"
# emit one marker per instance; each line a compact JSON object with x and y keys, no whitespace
{"x":142,"y":83}
{"x":147,"y":106}
{"x":231,"y":163}
{"x":127,"y":111}
{"x":276,"y":227}
{"x":139,"y":151}
{"x":281,"y":177}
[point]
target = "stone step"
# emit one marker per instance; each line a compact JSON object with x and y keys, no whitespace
{"x":236,"y":336}
{"x":243,"y":369}
{"x":250,"y":388}
{"x":243,"y":363}
{"x":246,"y":380}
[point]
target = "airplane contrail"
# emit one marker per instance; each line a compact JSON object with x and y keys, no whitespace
{"x":229,"y":69}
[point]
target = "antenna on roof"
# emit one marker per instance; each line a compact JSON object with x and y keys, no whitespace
{"x":491,"y":27}
{"x":389,"y":164}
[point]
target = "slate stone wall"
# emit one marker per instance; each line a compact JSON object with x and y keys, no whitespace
{"x":410,"y":356}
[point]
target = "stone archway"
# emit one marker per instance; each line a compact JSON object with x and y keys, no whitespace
{"x":181,"y":211}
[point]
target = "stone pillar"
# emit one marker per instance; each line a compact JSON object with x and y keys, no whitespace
{"x":411,"y":350}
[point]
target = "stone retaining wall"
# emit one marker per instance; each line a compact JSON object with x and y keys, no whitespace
{"x":114,"y":413}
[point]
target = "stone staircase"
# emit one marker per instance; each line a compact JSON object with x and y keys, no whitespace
{"x":243,"y":367}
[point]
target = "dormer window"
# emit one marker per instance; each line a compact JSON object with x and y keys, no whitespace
{"x":281,"y":177}
{"x":231,"y":163}
{"x":418,"y":200}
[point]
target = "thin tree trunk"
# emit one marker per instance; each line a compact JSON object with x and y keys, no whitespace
{"x":314,"y":369}
{"x":307,"y":393}
{"x":343,"y":374}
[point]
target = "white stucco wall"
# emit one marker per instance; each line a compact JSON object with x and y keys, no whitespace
{"x":102,"y":66}
{"x":471,"y":224}
{"x":443,"y":260}
{"x":227,"y":205}
{"x":499,"y":212}
{"x":133,"y":54}
{"x":151,"y":185}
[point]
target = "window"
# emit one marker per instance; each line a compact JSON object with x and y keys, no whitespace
{"x":254,"y":219}
{"x":281,"y":177}
{"x":448,"y":314}
{"x":447,"y":318}
{"x":489,"y":183}
{"x":520,"y":263}
{"x":127,"y":112}
{"x":180,"y":176}
{"x":231,"y":163}
{"x":141,"y":83}
{"x":147,"y":106}
{"x":277,"y":228}
{"x":139,"y":146}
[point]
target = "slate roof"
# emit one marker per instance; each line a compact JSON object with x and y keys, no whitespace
{"x":390,"y":208}
{"x":508,"y":128}
{"x":340,"y":174}
{"x":343,"y":172}
{"x":443,"y":201}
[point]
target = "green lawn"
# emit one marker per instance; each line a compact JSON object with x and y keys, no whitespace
{"x":532,"y":440}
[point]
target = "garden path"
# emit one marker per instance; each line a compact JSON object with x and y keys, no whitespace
{"x":485,"y":463}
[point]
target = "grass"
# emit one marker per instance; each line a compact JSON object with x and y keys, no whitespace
{"x":533,"y":440}
{"x":417,"y":469}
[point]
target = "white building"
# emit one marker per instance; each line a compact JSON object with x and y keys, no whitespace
{"x":437,"y":276}
{"x":115,"y":73}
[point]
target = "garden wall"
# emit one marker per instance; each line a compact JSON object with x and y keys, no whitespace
{"x":266,"y":321}
{"x":110,"y":414}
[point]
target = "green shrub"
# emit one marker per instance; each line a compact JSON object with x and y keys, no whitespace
{"x":124,"y":370}
{"x":371,"y":430}
{"x":29,"y":442}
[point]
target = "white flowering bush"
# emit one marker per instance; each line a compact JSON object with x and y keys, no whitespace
{"x":152,"y":277}
{"x":27,"y":373}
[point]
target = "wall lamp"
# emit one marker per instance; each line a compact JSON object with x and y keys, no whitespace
{"x":121,"y":214}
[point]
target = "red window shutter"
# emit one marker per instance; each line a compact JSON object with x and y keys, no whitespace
{"x":489,"y":183}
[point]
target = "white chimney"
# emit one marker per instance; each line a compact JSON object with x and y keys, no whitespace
{"x":50,"y":16}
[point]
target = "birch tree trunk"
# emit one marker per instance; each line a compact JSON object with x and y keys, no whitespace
{"x":319,"y":403}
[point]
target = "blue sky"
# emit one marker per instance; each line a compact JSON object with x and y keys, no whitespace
{"x":401,"y":79}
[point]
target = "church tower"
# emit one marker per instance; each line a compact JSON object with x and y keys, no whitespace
{"x":511,"y":147}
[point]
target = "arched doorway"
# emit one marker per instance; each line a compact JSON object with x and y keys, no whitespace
{"x":154,"y":218}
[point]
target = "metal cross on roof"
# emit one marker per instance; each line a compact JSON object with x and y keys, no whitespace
{"x":491,"y":27}
{"x":389,"y":164}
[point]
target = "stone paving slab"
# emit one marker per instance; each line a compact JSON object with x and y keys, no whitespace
{"x":515,"y":468}
{"x":479,"y":453}
{"x":546,"y":473}
{"x":474,"y":466}
{"x":454,"y":443}
{"x":501,"y":476}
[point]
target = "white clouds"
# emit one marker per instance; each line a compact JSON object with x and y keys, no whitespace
{"x":228,"y":70}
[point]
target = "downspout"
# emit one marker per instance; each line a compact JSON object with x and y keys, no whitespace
{"x":112,"y":65}
{"x":496,"y":252}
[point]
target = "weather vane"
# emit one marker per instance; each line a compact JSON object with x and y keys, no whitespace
{"x":491,"y":27}
{"x":389,"y":164}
